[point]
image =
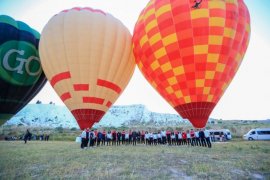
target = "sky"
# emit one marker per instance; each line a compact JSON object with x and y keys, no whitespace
{"x":247,"y":97}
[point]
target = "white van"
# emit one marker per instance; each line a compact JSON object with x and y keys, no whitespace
{"x":220,"y":134}
{"x":258,"y":134}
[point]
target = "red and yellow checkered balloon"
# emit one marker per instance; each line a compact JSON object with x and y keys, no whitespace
{"x":190,"y":51}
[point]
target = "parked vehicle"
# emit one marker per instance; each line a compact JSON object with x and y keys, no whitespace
{"x":220,"y":134}
{"x":258,"y":134}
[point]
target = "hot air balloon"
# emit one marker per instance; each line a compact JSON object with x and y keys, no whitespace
{"x":21,"y":75}
{"x":190,"y":50}
{"x":87,"y":57}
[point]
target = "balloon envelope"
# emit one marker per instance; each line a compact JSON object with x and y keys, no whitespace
{"x":87,"y":57}
{"x":21,"y":76}
{"x":190,"y":51}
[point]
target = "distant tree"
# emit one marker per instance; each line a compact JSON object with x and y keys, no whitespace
{"x":38,"y":102}
{"x":59,"y":129}
{"x":73,"y":129}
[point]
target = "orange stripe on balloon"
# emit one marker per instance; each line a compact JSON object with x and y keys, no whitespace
{"x":109,"y":85}
{"x":59,"y":77}
{"x":65,"y":96}
{"x":93,"y":100}
{"x":81,"y":87}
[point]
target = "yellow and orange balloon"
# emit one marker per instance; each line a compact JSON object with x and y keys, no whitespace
{"x":87,"y":57}
{"x":190,"y":50}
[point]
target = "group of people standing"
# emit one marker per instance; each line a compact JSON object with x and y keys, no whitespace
{"x":198,"y":137}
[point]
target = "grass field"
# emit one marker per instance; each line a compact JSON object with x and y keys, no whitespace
{"x":65,"y":160}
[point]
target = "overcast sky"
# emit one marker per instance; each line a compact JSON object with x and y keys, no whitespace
{"x":248,"y":96}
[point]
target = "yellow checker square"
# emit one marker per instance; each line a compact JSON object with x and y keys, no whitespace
{"x":187,"y":99}
{"x":248,"y":28}
{"x":149,"y":13}
{"x":209,"y":74}
{"x":154,"y":39}
{"x":166,"y":67}
{"x":220,"y":67}
{"x":224,"y":86}
{"x":178,"y":94}
{"x":216,"y":5}
{"x":201,"y":49}
{"x":163,"y":9}
{"x":160,"y":53}
{"x":211,"y":57}
{"x":215,"y":40}
{"x":178,"y":71}
{"x":238,"y":57}
{"x":206,"y":90}
{"x":151,"y":25}
{"x":155,"y":65}
{"x":210,"y":98}
{"x":172,"y":81}
{"x":169,"y":39}
{"x":199,"y":13}
{"x":140,"y":65}
{"x":143,"y":40}
{"x":229,"y":32}
{"x":200,"y":82}
{"x":217,"y":21}
{"x":169,"y":90}
{"x":153,"y":83}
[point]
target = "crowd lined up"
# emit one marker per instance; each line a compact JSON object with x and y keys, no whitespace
{"x":91,"y":138}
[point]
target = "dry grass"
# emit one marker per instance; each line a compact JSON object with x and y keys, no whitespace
{"x":65,"y":160}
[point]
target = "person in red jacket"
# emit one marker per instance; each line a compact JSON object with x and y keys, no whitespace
{"x":192,"y":136}
{"x":184,"y":138}
{"x":168,"y":134}
{"x":113,"y":137}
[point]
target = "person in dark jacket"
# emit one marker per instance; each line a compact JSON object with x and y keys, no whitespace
{"x":123,"y":136}
{"x":27,"y":136}
{"x":99,"y":137}
{"x":134,"y":137}
{"x":202,"y":137}
{"x":119,"y":138}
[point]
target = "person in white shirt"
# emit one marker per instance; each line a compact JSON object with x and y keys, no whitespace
{"x":127,"y":137}
{"x":83,"y":137}
{"x":207,"y":138}
{"x":159,"y":137}
{"x":150,"y":138}
{"x":197,"y":138}
{"x":147,"y":137}
{"x":188,"y":138}
{"x":155,"y":138}
{"x":163,"y":135}
{"x":173,"y":138}
{"x":180,"y":138}
{"x":109,"y":138}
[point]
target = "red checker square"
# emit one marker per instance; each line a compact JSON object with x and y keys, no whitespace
{"x":200,"y":67}
{"x":157,"y":45}
{"x":190,"y":76}
{"x":201,"y":40}
{"x":200,"y":74}
{"x":192,"y":91}
{"x":214,"y":49}
{"x":176,"y":62}
{"x":164,"y":19}
{"x":225,"y":50}
{"x":201,"y":31}
{"x":153,"y":32}
{"x":230,"y":23}
{"x":200,"y":58}
{"x":172,"y":47}
{"x":163,"y":60}
{"x":169,"y":74}
{"x":182,"y":85}
{"x":185,"y":92}
{"x":174,"y":57}
{"x":198,"y":23}
{"x":211,"y":66}
{"x":191,"y":83}
{"x":162,"y":78}
{"x":217,"y":12}
{"x":208,"y":83}
{"x":187,"y":60}
{"x":159,"y":4}
{"x":183,"y":26}
{"x":167,"y":31}
{"x":184,"y":34}
{"x":214,"y":30}
{"x":200,"y":98}
{"x":223,"y":58}
{"x":181,"y":78}
{"x":199,"y":90}
{"x":193,"y":98}
{"x":186,"y":43}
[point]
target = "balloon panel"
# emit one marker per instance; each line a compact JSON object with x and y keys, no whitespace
{"x":190,"y":54}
